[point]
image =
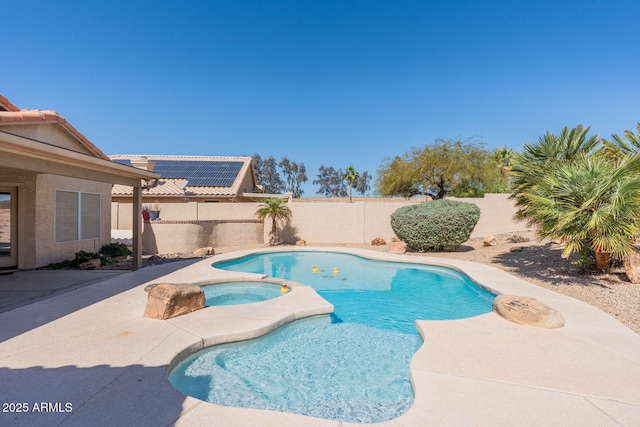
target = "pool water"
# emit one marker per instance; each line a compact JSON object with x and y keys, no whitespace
{"x":385,"y":295}
{"x":234,"y":293}
{"x":352,"y":365}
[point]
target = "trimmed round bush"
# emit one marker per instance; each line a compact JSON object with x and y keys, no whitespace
{"x":435,"y":226}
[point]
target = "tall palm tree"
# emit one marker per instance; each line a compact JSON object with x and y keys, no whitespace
{"x":351,"y":175}
{"x":275,"y":209}
{"x":503,"y":157}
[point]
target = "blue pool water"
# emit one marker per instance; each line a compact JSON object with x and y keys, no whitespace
{"x":352,"y":365}
{"x":234,"y":293}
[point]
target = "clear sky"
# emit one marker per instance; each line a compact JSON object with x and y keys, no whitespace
{"x":324,"y":82}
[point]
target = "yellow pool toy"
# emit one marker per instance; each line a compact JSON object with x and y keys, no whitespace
{"x":336,"y":271}
{"x":284,"y":288}
{"x":315,"y":269}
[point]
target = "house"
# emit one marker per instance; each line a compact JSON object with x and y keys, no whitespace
{"x":201,"y":201}
{"x":55,"y":190}
{"x":206,"y":179}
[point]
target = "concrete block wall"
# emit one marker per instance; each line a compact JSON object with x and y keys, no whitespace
{"x":187,"y":226}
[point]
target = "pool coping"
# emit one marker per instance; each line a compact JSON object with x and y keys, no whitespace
{"x":475,"y":371}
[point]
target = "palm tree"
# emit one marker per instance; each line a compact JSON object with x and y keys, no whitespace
{"x":275,"y":209}
{"x":530,"y":166}
{"x":504,"y":159}
{"x":629,"y":144}
{"x":351,"y":175}
{"x":573,"y":192}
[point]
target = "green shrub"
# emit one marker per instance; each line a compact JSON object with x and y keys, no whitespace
{"x":435,"y":226}
{"x":115,"y":250}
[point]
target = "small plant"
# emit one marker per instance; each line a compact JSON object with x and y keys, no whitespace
{"x":114,"y":250}
{"x":277,"y":210}
{"x":435,"y":226}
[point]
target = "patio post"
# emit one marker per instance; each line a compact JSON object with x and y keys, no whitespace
{"x":136,"y":256}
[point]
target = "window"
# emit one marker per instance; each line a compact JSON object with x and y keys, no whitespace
{"x":77,"y":216}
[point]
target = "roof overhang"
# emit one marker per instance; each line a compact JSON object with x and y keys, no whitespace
{"x":23,"y":153}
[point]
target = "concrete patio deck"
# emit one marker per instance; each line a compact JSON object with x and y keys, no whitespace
{"x":88,"y":357}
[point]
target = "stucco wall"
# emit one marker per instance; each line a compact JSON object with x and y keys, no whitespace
{"x":51,"y":132}
{"x":167,"y":237}
{"x":47,"y":250}
{"x":316,"y":221}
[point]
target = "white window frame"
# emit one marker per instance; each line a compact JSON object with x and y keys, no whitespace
{"x":78,"y":217}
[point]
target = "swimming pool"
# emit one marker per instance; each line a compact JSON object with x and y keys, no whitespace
{"x":352,"y":365}
{"x":234,"y":293}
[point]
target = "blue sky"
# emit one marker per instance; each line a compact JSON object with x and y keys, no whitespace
{"x":332,"y":82}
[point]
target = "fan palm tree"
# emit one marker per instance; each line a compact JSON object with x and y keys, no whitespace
{"x":275,"y":209}
{"x":351,"y":175}
{"x":627,"y":144}
{"x":592,"y":204}
{"x":532,"y":164}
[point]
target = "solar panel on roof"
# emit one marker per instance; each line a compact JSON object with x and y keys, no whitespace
{"x":200,"y":173}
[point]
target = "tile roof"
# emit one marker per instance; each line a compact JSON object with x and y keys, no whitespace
{"x":225,"y":173}
{"x":15,"y":116}
{"x":6,"y":105}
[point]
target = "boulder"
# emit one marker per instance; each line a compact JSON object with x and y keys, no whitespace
{"x":490,"y":241}
{"x":204,"y":251}
{"x":527,"y":311}
{"x":397,"y":246}
{"x":378,"y":241}
{"x":167,"y":300}
{"x":301,"y":243}
{"x":92,"y":264}
{"x":632,"y":267}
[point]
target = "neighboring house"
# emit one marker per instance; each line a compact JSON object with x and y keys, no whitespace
{"x":55,"y":190}
{"x":208,"y":179}
{"x":198,"y":199}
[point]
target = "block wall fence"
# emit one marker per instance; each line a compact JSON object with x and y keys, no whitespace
{"x":184,"y":227}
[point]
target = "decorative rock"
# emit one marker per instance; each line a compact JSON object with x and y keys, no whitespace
{"x":204,"y":251}
{"x":527,"y":311}
{"x":92,"y":264}
{"x":397,"y":246}
{"x":632,"y":267}
{"x":491,"y":241}
{"x":167,"y":300}
{"x":378,"y":241}
{"x":301,"y":243}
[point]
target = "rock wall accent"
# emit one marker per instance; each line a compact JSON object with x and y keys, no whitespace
{"x":527,"y":311}
{"x":168,"y":300}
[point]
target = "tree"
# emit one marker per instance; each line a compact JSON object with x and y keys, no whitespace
{"x":295,"y":176}
{"x":441,"y":168}
{"x":275,"y":209}
{"x":351,"y":175}
{"x":629,"y":143}
{"x":363,"y":183}
{"x":571,"y":189}
{"x":532,"y":164}
{"x":503,"y":158}
{"x":267,"y":174}
{"x":331,"y":182}
{"x":399,"y":177}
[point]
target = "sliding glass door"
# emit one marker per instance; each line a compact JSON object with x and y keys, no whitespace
{"x":8,"y":227}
